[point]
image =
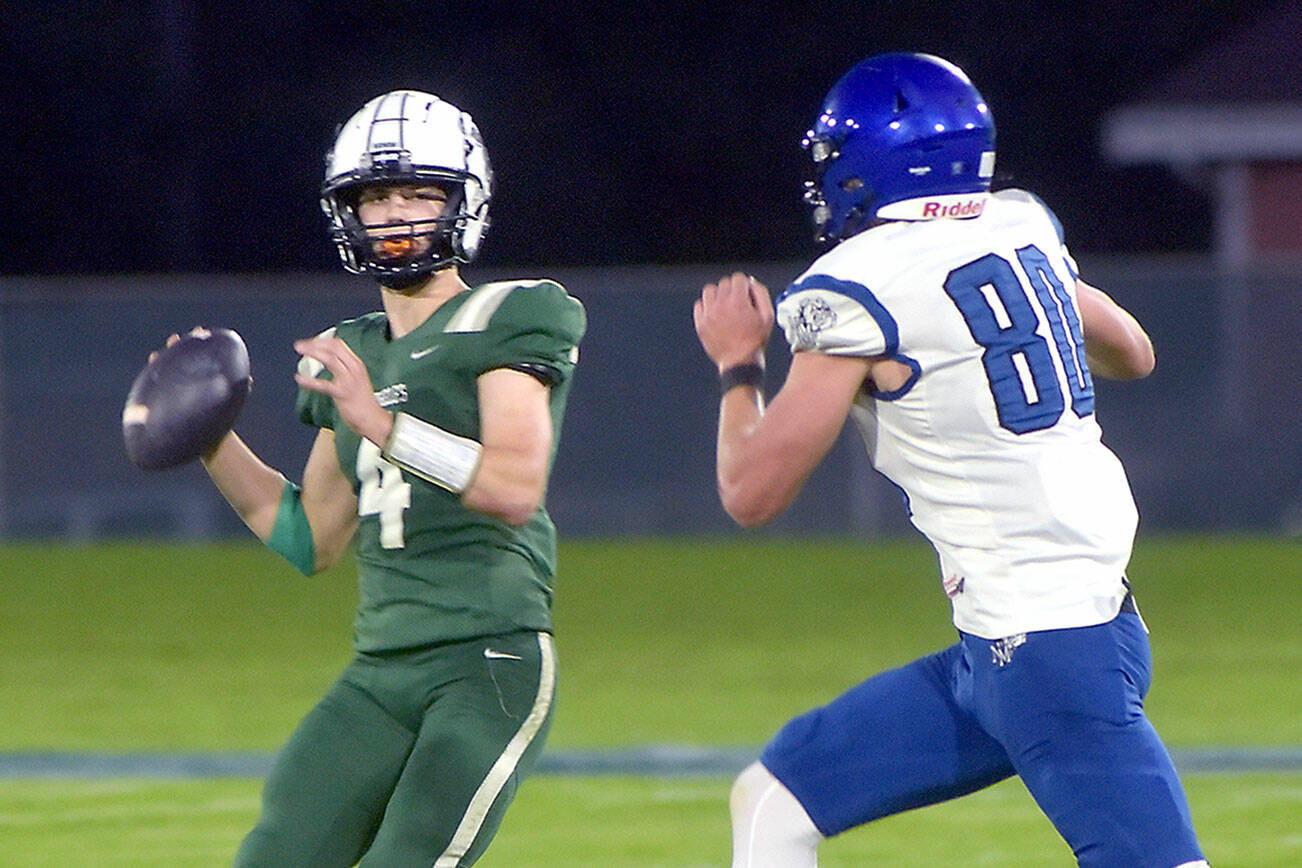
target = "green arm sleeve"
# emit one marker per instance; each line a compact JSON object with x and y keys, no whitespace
{"x":291,"y":536}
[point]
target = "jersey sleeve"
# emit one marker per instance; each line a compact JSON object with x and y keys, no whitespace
{"x":836,"y":317}
{"x":537,"y":328}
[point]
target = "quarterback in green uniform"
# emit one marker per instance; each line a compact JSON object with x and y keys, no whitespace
{"x":437,"y":420}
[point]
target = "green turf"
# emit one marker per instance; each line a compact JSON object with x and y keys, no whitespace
{"x":121,"y":823}
{"x":618,"y":822}
{"x":1227,"y":640}
{"x":138,"y":646}
{"x":133,"y":645}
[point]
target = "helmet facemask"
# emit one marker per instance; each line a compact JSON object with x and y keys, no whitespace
{"x":394,"y":252}
{"x":838,"y":206}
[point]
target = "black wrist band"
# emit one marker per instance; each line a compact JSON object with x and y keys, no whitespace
{"x":749,"y":374}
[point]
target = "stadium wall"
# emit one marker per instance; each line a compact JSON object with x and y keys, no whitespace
{"x":1210,"y":440}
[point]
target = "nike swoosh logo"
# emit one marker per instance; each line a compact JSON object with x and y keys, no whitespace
{"x":500,"y":655}
{"x":420,"y":354}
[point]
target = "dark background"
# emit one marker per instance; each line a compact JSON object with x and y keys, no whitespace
{"x":185,"y":136}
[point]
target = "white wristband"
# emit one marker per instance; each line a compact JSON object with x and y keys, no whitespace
{"x":432,"y":453}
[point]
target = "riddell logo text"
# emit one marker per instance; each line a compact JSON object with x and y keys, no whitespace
{"x":970,"y":208}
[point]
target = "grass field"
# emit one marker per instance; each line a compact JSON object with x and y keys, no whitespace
{"x":617,"y":822}
{"x":136,"y":646}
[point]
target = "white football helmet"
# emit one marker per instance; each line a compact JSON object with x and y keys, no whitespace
{"x":408,"y":137}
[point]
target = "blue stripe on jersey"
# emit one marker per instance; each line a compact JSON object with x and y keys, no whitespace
{"x":864,"y":296}
{"x":895,"y":394}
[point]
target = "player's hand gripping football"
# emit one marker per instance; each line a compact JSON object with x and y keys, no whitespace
{"x":186,"y":398}
{"x":733,"y":320}
{"x":351,"y":387}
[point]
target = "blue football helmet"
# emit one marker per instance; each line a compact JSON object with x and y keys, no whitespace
{"x":896,"y":128}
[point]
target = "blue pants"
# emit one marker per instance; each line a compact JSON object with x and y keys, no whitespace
{"x":1063,"y":709}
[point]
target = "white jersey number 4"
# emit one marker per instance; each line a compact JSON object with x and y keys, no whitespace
{"x":383,"y":492}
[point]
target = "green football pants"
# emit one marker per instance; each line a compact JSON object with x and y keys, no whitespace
{"x":410,"y":759}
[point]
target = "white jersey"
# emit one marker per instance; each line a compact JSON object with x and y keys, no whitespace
{"x":993,"y":439}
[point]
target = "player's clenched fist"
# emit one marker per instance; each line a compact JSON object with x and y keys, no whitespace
{"x":733,"y":319}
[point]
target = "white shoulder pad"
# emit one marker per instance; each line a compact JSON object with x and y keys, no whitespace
{"x":827,"y":321}
{"x":1013,"y":194}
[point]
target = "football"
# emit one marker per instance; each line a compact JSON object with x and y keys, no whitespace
{"x":186,"y":398}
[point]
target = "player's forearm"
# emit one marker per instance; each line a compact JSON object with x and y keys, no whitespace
{"x":329,"y":503}
{"x":765,"y":454}
{"x":753,"y":486}
{"x":250,"y":486}
{"x":1131,"y":360}
{"x":509,"y":483}
{"x":515,"y":446}
{"x":1114,"y":364}
{"x":1116,"y":345}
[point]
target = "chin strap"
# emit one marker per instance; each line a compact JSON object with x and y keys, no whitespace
{"x":400,"y":282}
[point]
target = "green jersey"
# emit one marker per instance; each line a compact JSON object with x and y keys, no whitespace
{"x":431,"y":569}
